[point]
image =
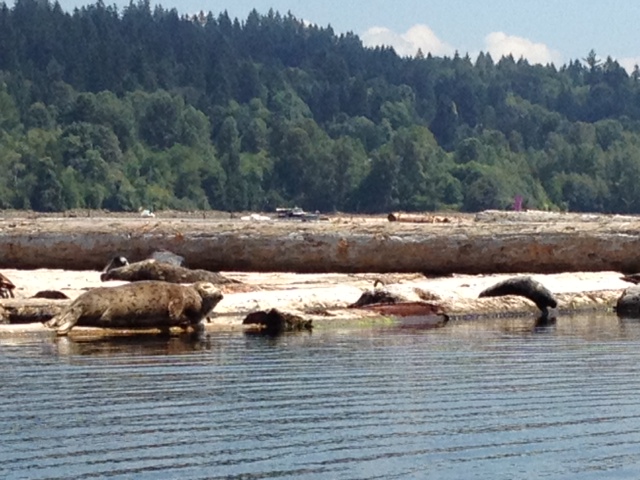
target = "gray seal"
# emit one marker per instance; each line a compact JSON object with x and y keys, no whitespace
{"x":154,"y":270}
{"x":525,"y":287}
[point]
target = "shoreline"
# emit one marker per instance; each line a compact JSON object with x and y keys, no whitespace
{"x":296,"y":258}
{"x":324,"y":298}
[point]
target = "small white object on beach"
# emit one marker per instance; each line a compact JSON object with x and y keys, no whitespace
{"x":255,"y":217}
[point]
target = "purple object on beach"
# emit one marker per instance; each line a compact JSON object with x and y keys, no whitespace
{"x":517,"y":203}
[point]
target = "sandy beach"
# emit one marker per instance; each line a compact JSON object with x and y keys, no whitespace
{"x":324,"y":297}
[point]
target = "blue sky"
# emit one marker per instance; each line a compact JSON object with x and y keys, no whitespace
{"x":542,"y":31}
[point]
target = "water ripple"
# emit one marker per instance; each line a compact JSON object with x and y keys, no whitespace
{"x":473,"y":400}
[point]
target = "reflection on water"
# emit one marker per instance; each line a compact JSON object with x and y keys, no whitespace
{"x":498,"y":399}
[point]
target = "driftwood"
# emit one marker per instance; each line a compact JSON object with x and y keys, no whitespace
{"x":631,"y":278}
{"x":412,"y":314}
{"x":6,"y":287}
{"x":30,"y":310}
{"x":506,"y":242}
{"x":413,"y":218}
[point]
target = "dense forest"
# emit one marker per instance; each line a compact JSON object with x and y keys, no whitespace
{"x":101,"y":108}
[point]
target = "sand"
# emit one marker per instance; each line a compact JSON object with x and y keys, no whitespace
{"x":325,"y":297}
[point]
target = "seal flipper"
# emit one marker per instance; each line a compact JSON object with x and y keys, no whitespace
{"x":65,"y":321}
{"x":106,"y":315}
{"x":175,"y":308}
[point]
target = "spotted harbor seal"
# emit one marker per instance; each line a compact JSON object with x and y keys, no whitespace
{"x":152,"y":269}
{"x":525,"y":287}
{"x":147,"y":304}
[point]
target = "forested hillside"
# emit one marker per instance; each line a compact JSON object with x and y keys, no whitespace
{"x":101,"y":108}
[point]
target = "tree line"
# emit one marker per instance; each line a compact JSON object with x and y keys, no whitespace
{"x":101,"y":108}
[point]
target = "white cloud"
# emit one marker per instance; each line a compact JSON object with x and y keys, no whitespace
{"x":499,"y":44}
{"x":629,"y":63}
{"x":407,"y":44}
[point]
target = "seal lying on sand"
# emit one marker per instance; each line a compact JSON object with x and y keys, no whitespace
{"x":154,"y":270}
{"x":150,"y":304}
{"x":525,"y":287}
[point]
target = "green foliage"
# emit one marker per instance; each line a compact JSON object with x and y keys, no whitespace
{"x":160,"y":125}
{"x":9,"y":115}
{"x":212,"y":112}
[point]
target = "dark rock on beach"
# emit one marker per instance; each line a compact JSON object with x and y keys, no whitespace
{"x":377,"y":296}
{"x":628,"y":304}
{"x":274,"y":322}
{"x":51,"y":294}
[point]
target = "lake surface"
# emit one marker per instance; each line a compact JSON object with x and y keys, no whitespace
{"x":491,"y":399}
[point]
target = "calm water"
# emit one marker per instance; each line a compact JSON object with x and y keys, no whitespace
{"x":484,"y":399}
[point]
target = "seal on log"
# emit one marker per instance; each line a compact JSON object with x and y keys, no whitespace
{"x":525,"y":287}
{"x":151,"y":269}
{"x":148,"y":304}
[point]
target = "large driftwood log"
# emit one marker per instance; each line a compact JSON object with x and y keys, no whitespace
{"x":30,"y":310}
{"x":493,"y":244}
